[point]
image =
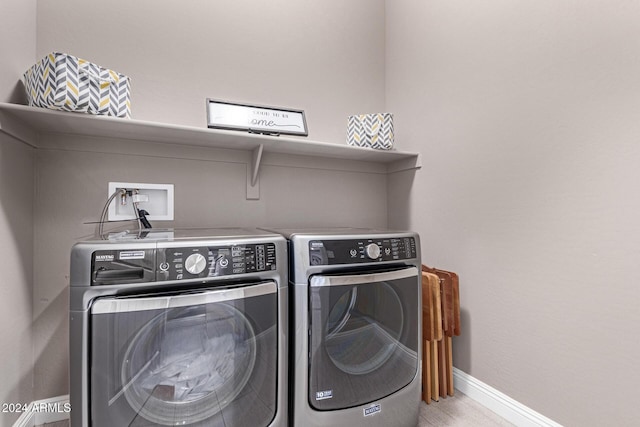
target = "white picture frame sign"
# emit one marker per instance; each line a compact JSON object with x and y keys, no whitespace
{"x":255,"y":118}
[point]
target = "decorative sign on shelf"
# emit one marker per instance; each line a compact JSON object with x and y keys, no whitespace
{"x":255,"y":118}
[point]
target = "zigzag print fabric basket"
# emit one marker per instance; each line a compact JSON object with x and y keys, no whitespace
{"x":65,"y":82}
{"x":371,"y":130}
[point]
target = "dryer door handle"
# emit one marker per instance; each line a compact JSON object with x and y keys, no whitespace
{"x":360,"y":279}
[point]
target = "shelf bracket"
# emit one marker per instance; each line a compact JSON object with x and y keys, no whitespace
{"x":253,"y":174}
{"x":411,"y":163}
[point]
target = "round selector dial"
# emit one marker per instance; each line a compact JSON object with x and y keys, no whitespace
{"x":195,"y":263}
{"x":373,"y":251}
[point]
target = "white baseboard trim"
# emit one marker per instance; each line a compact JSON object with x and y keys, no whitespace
{"x":509,"y":409}
{"x":45,"y":411}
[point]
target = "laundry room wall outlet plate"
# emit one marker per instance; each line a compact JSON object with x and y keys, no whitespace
{"x":157,"y":199}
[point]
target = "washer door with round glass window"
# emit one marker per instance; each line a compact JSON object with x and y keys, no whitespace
{"x":363,"y":336}
{"x":199,"y":358}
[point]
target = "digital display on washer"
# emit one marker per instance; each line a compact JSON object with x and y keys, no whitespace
{"x":353,"y":251}
{"x":199,"y":262}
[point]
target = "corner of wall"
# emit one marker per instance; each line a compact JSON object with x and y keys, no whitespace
{"x":18,"y":27}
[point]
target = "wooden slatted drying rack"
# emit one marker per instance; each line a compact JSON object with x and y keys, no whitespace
{"x":440,"y":322}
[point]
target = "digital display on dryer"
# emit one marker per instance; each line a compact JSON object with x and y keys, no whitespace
{"x":215,"y":261}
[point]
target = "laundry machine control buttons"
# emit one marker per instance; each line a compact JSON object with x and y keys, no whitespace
{"x":350,"y":251}
{"x":373,"y":251}
{"x":180,"y":263}
{"x":195,"y":263}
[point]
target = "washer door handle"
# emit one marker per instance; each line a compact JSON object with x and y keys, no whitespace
{"x":124,"y":305}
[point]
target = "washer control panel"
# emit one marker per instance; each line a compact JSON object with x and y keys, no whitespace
{"x":133,"y":265}
{"x":355,"y":251}
{"x":213,"y":261}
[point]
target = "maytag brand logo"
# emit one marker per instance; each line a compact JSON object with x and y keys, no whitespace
{"x":372,"y":410}
{"x":108,"y":257}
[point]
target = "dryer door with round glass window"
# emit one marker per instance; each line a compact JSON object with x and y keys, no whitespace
{"x":197,"y":358}
{"x":363,"y":336}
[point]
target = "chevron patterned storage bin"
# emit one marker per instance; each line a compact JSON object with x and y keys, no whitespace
{"x":65,"y":82}
{"x":371,"y":130}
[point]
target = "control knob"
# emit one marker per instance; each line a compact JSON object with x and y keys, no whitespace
{"x":195,"y":263}
{"x":373,"y":251}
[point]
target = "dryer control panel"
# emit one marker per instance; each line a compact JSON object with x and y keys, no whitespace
{"x":213,"y":261}
{"x":356,"y":251}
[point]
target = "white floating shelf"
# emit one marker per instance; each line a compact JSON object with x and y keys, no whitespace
{"x":26,"y":123}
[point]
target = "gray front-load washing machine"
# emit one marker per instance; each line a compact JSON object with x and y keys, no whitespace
{"x":355,"y":327}
{"x":179,"y":327}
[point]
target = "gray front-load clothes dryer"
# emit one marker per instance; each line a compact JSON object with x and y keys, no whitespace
{"x":179,"y":327}
{"x":355,"y":327}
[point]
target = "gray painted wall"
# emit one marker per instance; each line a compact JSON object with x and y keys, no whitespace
{"x":16,"y":285}
{"x":17,"y":52}
{"x":17,"y":46}
{"x":325,"y":57}
{"x":526,"y":114}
